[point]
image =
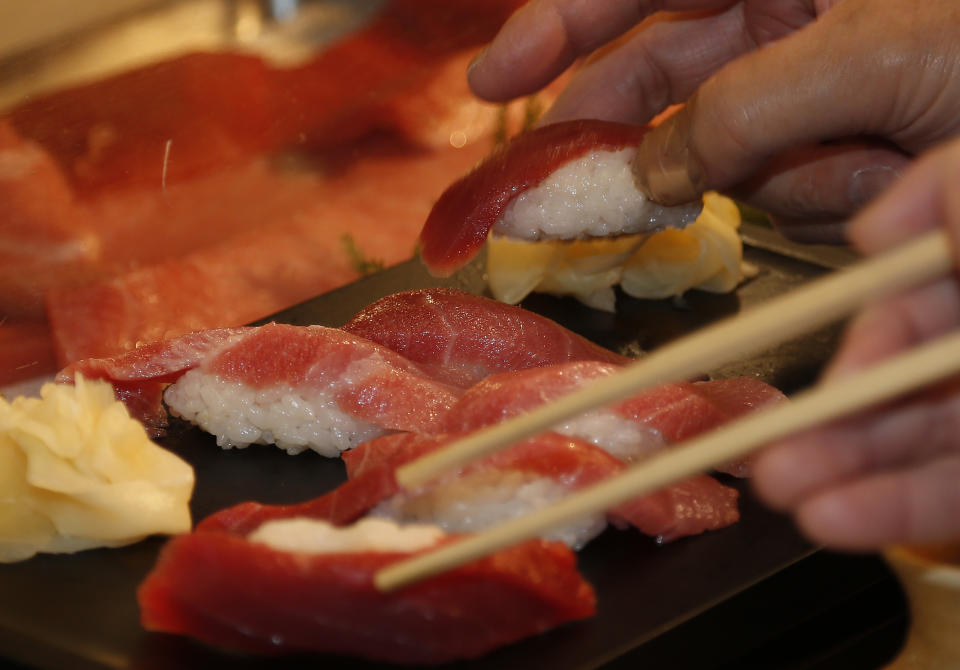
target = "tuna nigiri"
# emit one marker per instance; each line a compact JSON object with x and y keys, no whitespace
{"x":295,"y":585}
{"x":632,"y":429}
{"x":525,"y":477}
{"x":563,"y":181}
{"x":294,"y":386}
{"x":461,"y":338}
{"x":537,"y":472}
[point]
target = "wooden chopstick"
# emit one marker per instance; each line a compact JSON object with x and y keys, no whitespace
{"x":801,"y":311}
{"x":889,"y":379}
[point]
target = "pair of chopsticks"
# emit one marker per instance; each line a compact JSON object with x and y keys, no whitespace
{"x":801,"y":311}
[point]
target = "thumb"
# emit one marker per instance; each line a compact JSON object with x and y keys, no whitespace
{"x":823,"y":82}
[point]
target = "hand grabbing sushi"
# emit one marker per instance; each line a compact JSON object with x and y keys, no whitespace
{"x":563,"y":215}
{"x":565,"y":181}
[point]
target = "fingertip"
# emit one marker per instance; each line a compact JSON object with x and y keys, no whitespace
{"x":870,"y":181}
{"x":837,"y":521}
{"x":909,"y":207}
{"x":665,"y":169}
{"x":916,"y":504}
{"x":774,"y":475}
{"x":475,"y":64}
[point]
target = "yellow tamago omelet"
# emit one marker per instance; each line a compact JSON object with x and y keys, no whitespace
{"x":705,"y":255}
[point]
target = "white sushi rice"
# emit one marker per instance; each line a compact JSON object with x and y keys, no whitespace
{"x":312,"y":536}
{"x":628,"y":440}
{"x":472,"y":503}
{"x":292,"y":419}
{"x":593,"y":196}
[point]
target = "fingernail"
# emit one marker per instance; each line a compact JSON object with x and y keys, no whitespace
{"x":869,"y":182}
{"x":477,"y":60}
{"x":665,"y":169}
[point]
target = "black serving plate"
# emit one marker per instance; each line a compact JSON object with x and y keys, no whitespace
{"x":79,"y":611}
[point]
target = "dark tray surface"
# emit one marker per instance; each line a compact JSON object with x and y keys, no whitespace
{"x":79,"y":611}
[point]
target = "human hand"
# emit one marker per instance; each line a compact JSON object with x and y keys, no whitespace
{"x":770,"y":80}
{"x":891,"y":475}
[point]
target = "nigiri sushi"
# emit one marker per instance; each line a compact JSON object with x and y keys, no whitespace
{"x":632,"y":429}
{"x":461,"y":338}
{"x":297,"y":387}
{"x":568,"y":180}
{"x":300,"y":585}
{"x":525,"y":477}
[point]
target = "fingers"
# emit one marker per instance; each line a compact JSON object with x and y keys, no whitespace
{"x":835,"y":78}
{"x":809,"y":187}
{"x":927,"y":196}
{"x":885,"y":476}
{"x":544,"y":37}
{"x":659,"y":63}
{"x":798,"y":469}
{"x":916,"y":505}
{"x":897,"y":324}
{"x":794,"y":470}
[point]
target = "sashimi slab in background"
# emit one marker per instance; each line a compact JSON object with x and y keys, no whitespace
{"x":214,"y":189}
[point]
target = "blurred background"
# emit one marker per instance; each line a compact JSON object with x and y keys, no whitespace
{"x":173,"y":166}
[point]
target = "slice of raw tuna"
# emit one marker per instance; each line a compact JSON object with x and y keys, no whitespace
{"x":461,"y":338}
{"x":294,"y":386}
{"x":228,"y":591}
{"x":512,"y":482}
{"x":632,"y":429}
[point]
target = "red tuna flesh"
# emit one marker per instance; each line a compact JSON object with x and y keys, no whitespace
{"x":46,"y":237}
{"x":459,"y":222}
{"x":26,"y":351}
{"x":379,"y":201}
{"x":677,"y":411}
{"x":140,"y":375}
{"x":461,"y":338}
{"x":687,"y":508}
{"x":229,"y":592}
{"x":390,"y":391}
{"x":216,"y":108}
{"x":212,"y":109}
{"x":383,"y":388}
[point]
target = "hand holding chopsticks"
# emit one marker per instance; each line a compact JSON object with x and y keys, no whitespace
{"x":801,"y":311}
